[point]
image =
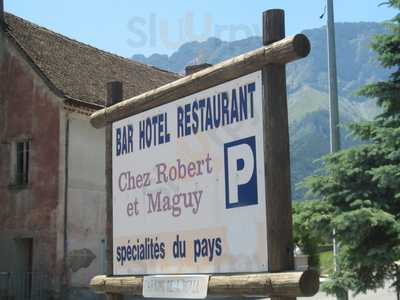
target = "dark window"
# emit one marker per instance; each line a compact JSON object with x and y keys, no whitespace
{"x":22,"y":163}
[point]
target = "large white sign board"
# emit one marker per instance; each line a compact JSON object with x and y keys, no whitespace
{"x":188,"y":184}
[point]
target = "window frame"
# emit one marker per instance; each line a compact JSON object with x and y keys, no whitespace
{"x":21,"y":171}
{"x":20,"y":162}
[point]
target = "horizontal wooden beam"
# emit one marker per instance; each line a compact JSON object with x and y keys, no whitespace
{"x":289,"y":284}
{"x":281,"y":52}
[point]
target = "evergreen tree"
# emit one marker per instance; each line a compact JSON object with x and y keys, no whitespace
{"x":361,"y":186}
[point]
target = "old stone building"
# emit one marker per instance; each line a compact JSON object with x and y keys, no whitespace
{"x":52,"y":182}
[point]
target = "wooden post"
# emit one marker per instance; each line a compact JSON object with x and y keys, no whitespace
{"x":277,"y":158}
{"x":114,"y":95}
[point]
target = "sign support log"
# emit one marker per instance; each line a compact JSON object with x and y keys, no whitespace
{"x":114,"y":95}
{"x":281,"y":52}
{"x":277,"y":157}
{"x":288,"y":284}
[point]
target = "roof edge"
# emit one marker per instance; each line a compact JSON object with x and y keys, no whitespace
{"x":82,"y":44}
{"x":90,"y":105}
{"x":47,"y":81}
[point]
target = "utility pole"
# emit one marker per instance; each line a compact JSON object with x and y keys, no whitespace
{"x":333,"y":86}
{"x":333,"y":109}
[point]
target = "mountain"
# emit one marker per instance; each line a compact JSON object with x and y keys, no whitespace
{"x":307,"y":83}
{"x":211,"y":51}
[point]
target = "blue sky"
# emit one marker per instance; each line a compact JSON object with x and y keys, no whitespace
{"x":128,"y":27}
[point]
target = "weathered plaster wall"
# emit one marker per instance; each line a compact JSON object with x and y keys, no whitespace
{"x":86,"y":200}
{"x":28,"y":109}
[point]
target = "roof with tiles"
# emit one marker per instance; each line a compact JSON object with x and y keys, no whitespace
{"x":79,"y":71}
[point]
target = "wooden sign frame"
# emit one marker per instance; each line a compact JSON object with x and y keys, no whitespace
{"x":281,"y":282}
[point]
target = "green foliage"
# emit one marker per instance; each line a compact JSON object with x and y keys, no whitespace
{"x":360,"y":186}
{"x":326,"y":262}
{"x":311,"y":228}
